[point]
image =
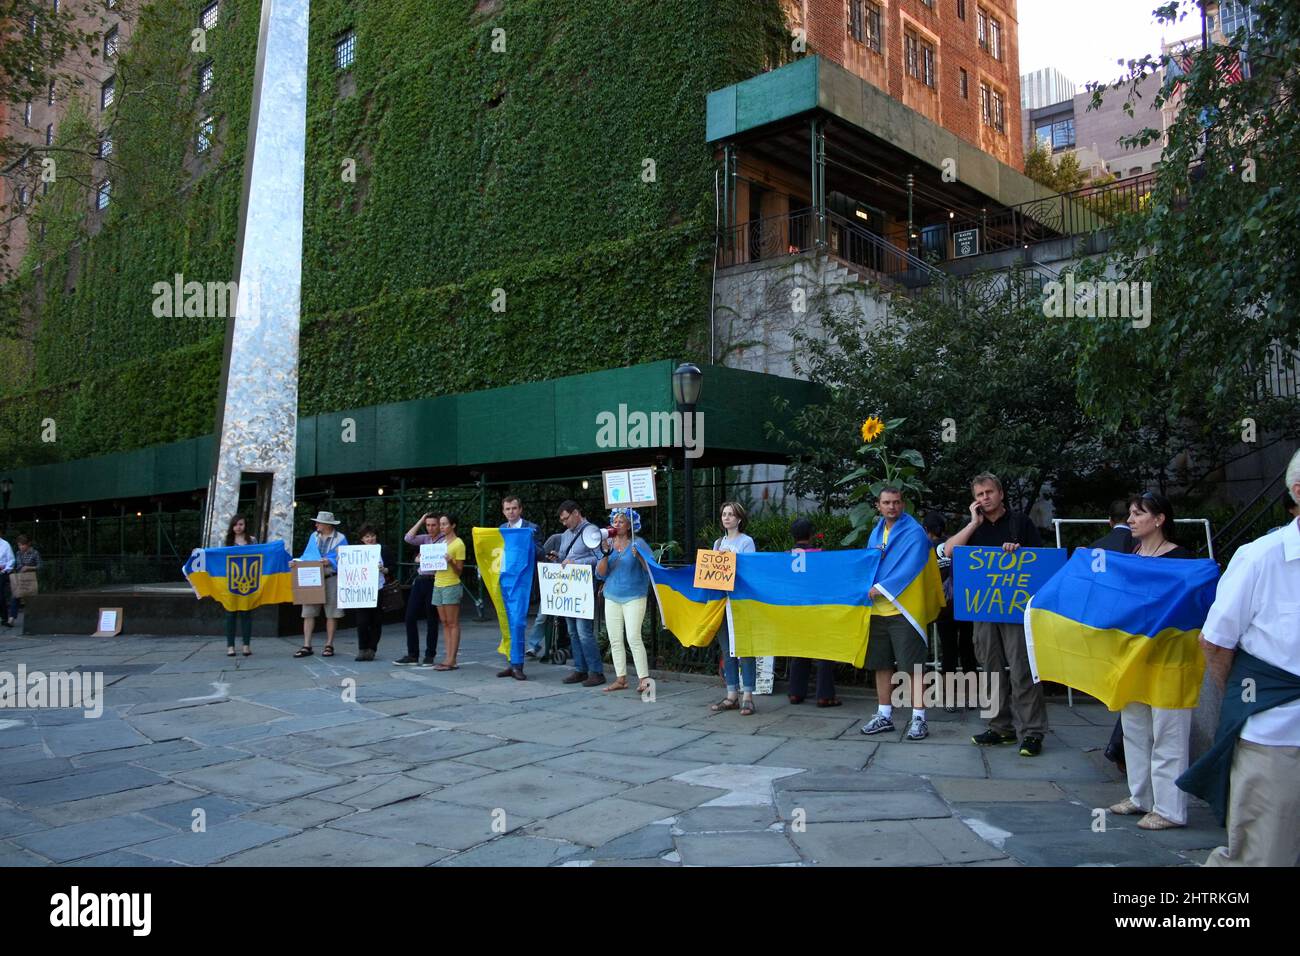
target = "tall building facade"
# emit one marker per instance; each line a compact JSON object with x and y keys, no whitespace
{"x":956,"y":62}
{"x":1044,"y":87}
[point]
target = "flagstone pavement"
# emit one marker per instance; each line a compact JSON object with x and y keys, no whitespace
{"x":198,"y":759}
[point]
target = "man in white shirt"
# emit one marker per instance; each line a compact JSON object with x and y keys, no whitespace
{"x":1256,"y":617}
{"x":6,"y":566}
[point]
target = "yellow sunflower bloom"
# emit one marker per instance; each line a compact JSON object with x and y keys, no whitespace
{"x":872,"y":428}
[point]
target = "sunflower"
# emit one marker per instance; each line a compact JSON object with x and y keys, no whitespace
{"x":872,"y":428}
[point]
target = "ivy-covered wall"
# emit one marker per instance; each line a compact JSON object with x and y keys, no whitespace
{"x":477,"y":169}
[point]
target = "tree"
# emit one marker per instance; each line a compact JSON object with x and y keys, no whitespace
{"x":1063,"y":176}
{"x":1214,"y":241}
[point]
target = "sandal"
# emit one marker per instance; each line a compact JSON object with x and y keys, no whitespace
{"x":832,"y":702}
{"x":747,"y":708}
{"x":643,"y":685}
{"x":1154,"y":821}
{"x":328,"y":652}
{"x":446,"y":667}
{"x":303,"y":652}
{"x":619,"y":684}
{"x":727,"y":703}
{"x":230,"y":652}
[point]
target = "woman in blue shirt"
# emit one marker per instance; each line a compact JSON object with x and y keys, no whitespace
{"x":626,"y":581}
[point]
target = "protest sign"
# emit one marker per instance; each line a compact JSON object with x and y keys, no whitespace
{"x":715,"y":570}
{"x":567,"y":590}
{"x":433,"y":557}
{"x":990,"y":584}
{"x":308,"y":582}
{"x":358,"y":576}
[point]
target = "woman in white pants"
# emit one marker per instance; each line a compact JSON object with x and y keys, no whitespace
{"x":626,"y":581}
{"x":1157,"y":740}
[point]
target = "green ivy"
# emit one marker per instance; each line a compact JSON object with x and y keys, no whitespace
{"x":476,"y":170}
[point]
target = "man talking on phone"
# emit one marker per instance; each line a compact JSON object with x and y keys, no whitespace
{"x":1022,"y":713}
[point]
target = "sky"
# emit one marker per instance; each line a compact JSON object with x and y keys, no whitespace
{"x":1083,"y":40}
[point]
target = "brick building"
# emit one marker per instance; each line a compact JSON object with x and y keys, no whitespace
{"x":88,"y":73}
{"x":956,"y":62}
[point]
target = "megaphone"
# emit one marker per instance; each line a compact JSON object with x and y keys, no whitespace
{"x":594,"y":537}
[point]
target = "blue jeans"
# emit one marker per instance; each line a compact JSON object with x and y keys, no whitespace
{"x":537,"y":636}
{"x":586,"y":652}
{"x":738,"y":671}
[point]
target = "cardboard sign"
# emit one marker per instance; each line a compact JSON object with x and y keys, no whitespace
{"x":433,"y":557}
{"x":630,"y":487}
{"x":567,"y":590}
{"x":110,"y":622}
{"x":358,"y":576}
{"x":715,"y":570}
{"x":764,"y":674}
{"x":990,"y":584}
{"x":307,"y":579}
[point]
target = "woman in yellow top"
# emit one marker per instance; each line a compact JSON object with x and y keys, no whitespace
{"x":447,"y":591}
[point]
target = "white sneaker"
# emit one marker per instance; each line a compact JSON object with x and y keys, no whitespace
{"x":878,"y":724}
{"x":918,"y":729}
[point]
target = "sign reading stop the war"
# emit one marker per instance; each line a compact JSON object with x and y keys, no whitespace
{"x":567,"y":590}
{"x":715,"y":570}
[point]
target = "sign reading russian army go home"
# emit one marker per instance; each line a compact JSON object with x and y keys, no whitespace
{"x":990,"y":584}
{"x":566,"y":590}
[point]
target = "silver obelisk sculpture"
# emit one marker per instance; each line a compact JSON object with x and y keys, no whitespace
{"x":257,"y":412}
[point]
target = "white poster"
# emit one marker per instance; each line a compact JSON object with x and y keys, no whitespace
{"x":567,"y":590}
{"x":433,"y":557}
{"x":108,"y":621}
{"x":764,"y":672}
{"x":358,"y":576}
{"x":308,"y":577}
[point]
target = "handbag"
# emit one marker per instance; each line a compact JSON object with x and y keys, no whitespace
{"x":390,"y":597}
{"x":23,"y":584}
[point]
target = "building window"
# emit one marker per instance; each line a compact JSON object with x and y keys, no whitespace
{"x":875,"y":28}
{"x":105,"y":146}
{"x":986,"y":105}
{"x":49,"y":99}
{"x":110,"y":44}
{"x":855,"y":20}
{"x":963,"y":83}
{"x":995,"y":38}
{"x":961,"y":9}
{"x":49,"y":134}
{"x":919,"y":57}
{"x":106,"y":93}
{"x":982,"y":27}
{"x":204,"y":141}
{"x":208,"y":16}
{"x":27,"y":113}
{"x":345,"y":50}
{"x":205,"y":77}
{"x":865,"y":23}
{"x":999,"y":112}
{"x":102,"y":194}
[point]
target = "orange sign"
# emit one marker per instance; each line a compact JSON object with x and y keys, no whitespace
{"x":715,"y":570}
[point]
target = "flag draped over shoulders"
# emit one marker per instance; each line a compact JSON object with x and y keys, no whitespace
{"x":243,"y":577}
{"x":1123,"y":628}
{"x":908,"y":575}
{"x":506,"y":560}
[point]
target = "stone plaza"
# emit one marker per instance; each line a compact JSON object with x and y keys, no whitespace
{"x":199,"y":759}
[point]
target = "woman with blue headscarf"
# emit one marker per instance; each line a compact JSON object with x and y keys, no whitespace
{"x":626,"y":581}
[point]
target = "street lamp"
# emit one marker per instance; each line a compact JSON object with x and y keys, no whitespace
{"x":687,"y":382}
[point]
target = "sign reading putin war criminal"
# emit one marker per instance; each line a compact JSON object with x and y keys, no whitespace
{"x":990,"y":584}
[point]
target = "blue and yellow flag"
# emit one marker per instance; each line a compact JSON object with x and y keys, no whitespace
{"x":692,"y":614}
{"x":241,"y":578}
{"x":506,"y":560}
{"x":1124,"y":629}
{"x":810,"y":604}
{"x":909,"y":575}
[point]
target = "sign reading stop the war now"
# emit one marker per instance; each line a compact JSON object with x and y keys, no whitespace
{"x":715,"y":570}
{"x":990,"y":584}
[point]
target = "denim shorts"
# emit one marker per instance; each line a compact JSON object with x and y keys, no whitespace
{"x":448,"y":595}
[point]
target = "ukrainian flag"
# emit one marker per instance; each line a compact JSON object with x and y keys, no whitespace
{"x":909,"y":572}
{"x":241,"y":578}
{"x":506,"y":560}
{"x":692,"y":614}
{"x":1125,"y":630}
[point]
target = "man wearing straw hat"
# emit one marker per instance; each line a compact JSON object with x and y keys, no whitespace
{"x":323,"y":545}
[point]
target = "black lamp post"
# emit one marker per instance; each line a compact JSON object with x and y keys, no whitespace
{"x":6,"y":489}
{"x":687,"y":382}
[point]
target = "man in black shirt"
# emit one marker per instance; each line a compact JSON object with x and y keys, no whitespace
{"x":1119,"y":538}
{"x":1021,"y":709}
